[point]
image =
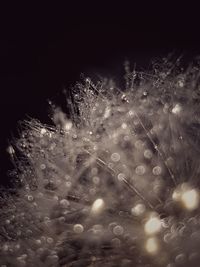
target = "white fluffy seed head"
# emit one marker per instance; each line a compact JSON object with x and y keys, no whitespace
{"x":97,"y":185}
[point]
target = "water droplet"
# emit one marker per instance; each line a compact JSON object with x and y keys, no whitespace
{"x":152,"y":226}
{"x":138,"y":210}
{"x":68,"y":125}
{"x":64,"y":203}
{"x":107,"y":112}
{"x":157,"y":170}
{"x":124,"y":125}
{"x":140,"y":170}
{"x":10,"y":150}
{"x":190,"y":199}
{"x":68,"y":184}
{"x":177,"y":109}
{"x":97,"y":206}
{"x":42,"y":166}
{"x":121,"y":176}
{"x":180,"y":83}
{"x":30,"y":198}
{"x":118,"y":230}
{"x":96,"y":180}
{"x":152,"y":245}
{"x":148,"y":154}
{"x":78,"y":228}
{"x":43,"y":131}
{"x":115,"y":157}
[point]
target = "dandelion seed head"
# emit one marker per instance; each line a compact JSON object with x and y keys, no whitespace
{"x":116,"y":183}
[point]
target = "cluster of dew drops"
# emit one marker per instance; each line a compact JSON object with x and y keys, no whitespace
{"x":117,"y":185}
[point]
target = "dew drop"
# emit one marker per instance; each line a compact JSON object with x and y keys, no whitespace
{"x":121,"y":176}
{"x":118,"y":230}
{"x":115,"y":157}
{"x":78,"y":228}
{"x":140,"y":170}
{"x":148,"y":154}
{"x":138,"y":210}
{"x":157,"y":170}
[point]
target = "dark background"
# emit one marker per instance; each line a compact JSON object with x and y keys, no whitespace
{"x":45,"y":48}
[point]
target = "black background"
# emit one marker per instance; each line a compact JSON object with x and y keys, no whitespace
{"x":45,"y":48}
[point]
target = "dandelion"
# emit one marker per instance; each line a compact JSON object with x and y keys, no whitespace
{"x":116,"y":184}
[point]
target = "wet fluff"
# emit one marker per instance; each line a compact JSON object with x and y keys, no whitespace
{"x":116,"y":184}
